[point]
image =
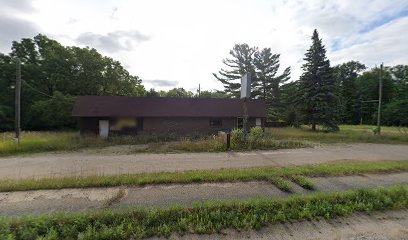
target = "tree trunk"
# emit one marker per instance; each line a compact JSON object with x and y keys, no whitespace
{"x":313,"y":126}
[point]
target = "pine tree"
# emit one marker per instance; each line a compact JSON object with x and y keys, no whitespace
{"x":268,"y":85}
{"x":240,"y":63}
{"x":318,"y":100}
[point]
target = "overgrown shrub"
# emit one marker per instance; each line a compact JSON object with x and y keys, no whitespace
{"x":238,"y":140}
{"x":256,"y":132}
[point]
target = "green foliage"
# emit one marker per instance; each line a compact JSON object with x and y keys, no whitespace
{"x":152,"y":93}
{"x":241,"y":62}
{"x":238,"y":140}
{"x":48,"y":68}
{"x":207,"y":218}
{"x":367,"y":86}
{"x":303,"y":182}
{"x":213,"y":94}
{"x":177,"y":92}
{"x":375,"y":130}
{"x":265,"y":80}
{"x":53,"y":113}
{"x":256,"y":132}
{"x":316,"y":88}
{"x":281,"y":183}
{"x":346,"y":75}
{"x":268,"y":85}
{"x":396,"y":113}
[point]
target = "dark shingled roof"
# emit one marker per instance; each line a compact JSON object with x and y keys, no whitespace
{"x":118,"y":106}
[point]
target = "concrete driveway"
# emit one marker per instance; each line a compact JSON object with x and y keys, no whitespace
{"x":92,"y":163}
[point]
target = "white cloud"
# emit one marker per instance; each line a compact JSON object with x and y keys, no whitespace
{"x":162,"y":83}
{"x":12,"y":25}
{"x":187,"y":40}
{"x":113,"y":41}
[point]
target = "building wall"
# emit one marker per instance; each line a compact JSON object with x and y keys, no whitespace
{"x":166,"y":125}
{"x":89,"y":125}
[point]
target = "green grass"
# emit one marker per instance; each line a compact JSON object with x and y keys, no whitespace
{"x":281,"y":183}
{"x":35,"y":142}
{"x":347,"y":134}
{"x":221,"y":175}
{"x":303,"y":182}
{"x":275,"y":138}
{"x":212,"y":217}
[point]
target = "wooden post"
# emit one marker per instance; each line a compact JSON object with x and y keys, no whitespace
{"x":17,"y":100}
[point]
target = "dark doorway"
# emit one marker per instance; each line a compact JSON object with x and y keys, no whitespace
{"x":240,"y":123}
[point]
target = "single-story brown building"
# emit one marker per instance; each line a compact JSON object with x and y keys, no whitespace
{"x":110,"y":115}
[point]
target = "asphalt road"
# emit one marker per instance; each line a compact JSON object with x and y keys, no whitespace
{"x":88,"y":163}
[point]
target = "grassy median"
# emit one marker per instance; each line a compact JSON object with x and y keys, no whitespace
{"x":201,"y":219}
{"x":277,"y":175}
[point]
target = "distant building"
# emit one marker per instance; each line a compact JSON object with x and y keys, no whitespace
{"x":115,"y":115}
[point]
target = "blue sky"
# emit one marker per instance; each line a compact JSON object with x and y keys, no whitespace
{"x":180,"y":43}
{"x":384,"y":19}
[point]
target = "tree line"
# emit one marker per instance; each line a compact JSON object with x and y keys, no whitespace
{"x":54,"y":74}
{"x":323,"y":95}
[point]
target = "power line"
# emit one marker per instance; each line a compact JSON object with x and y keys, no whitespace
{"x":36,"y":89}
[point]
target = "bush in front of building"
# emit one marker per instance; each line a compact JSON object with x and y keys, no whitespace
{"x":238,"y":140}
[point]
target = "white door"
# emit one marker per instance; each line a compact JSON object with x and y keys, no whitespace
{"x":104,"y":128}
{"x":258,"y":122}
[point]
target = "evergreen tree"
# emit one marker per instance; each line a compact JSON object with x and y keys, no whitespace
{"x":241,"y":62}
{"x":318,"y":100}
{"x":268,"y":83}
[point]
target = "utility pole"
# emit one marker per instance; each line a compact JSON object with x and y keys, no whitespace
{"x":17,"y":100}
{"x":379,"y":101}
{"x":245,"y":95}
{"x":199,"y":90}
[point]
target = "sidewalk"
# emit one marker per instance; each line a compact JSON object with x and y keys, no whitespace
{"x":78,"y":200}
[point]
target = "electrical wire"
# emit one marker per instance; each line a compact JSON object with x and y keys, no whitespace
{"x":36,"y":89}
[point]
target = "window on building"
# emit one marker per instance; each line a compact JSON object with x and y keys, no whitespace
{"x":215,"y":122}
